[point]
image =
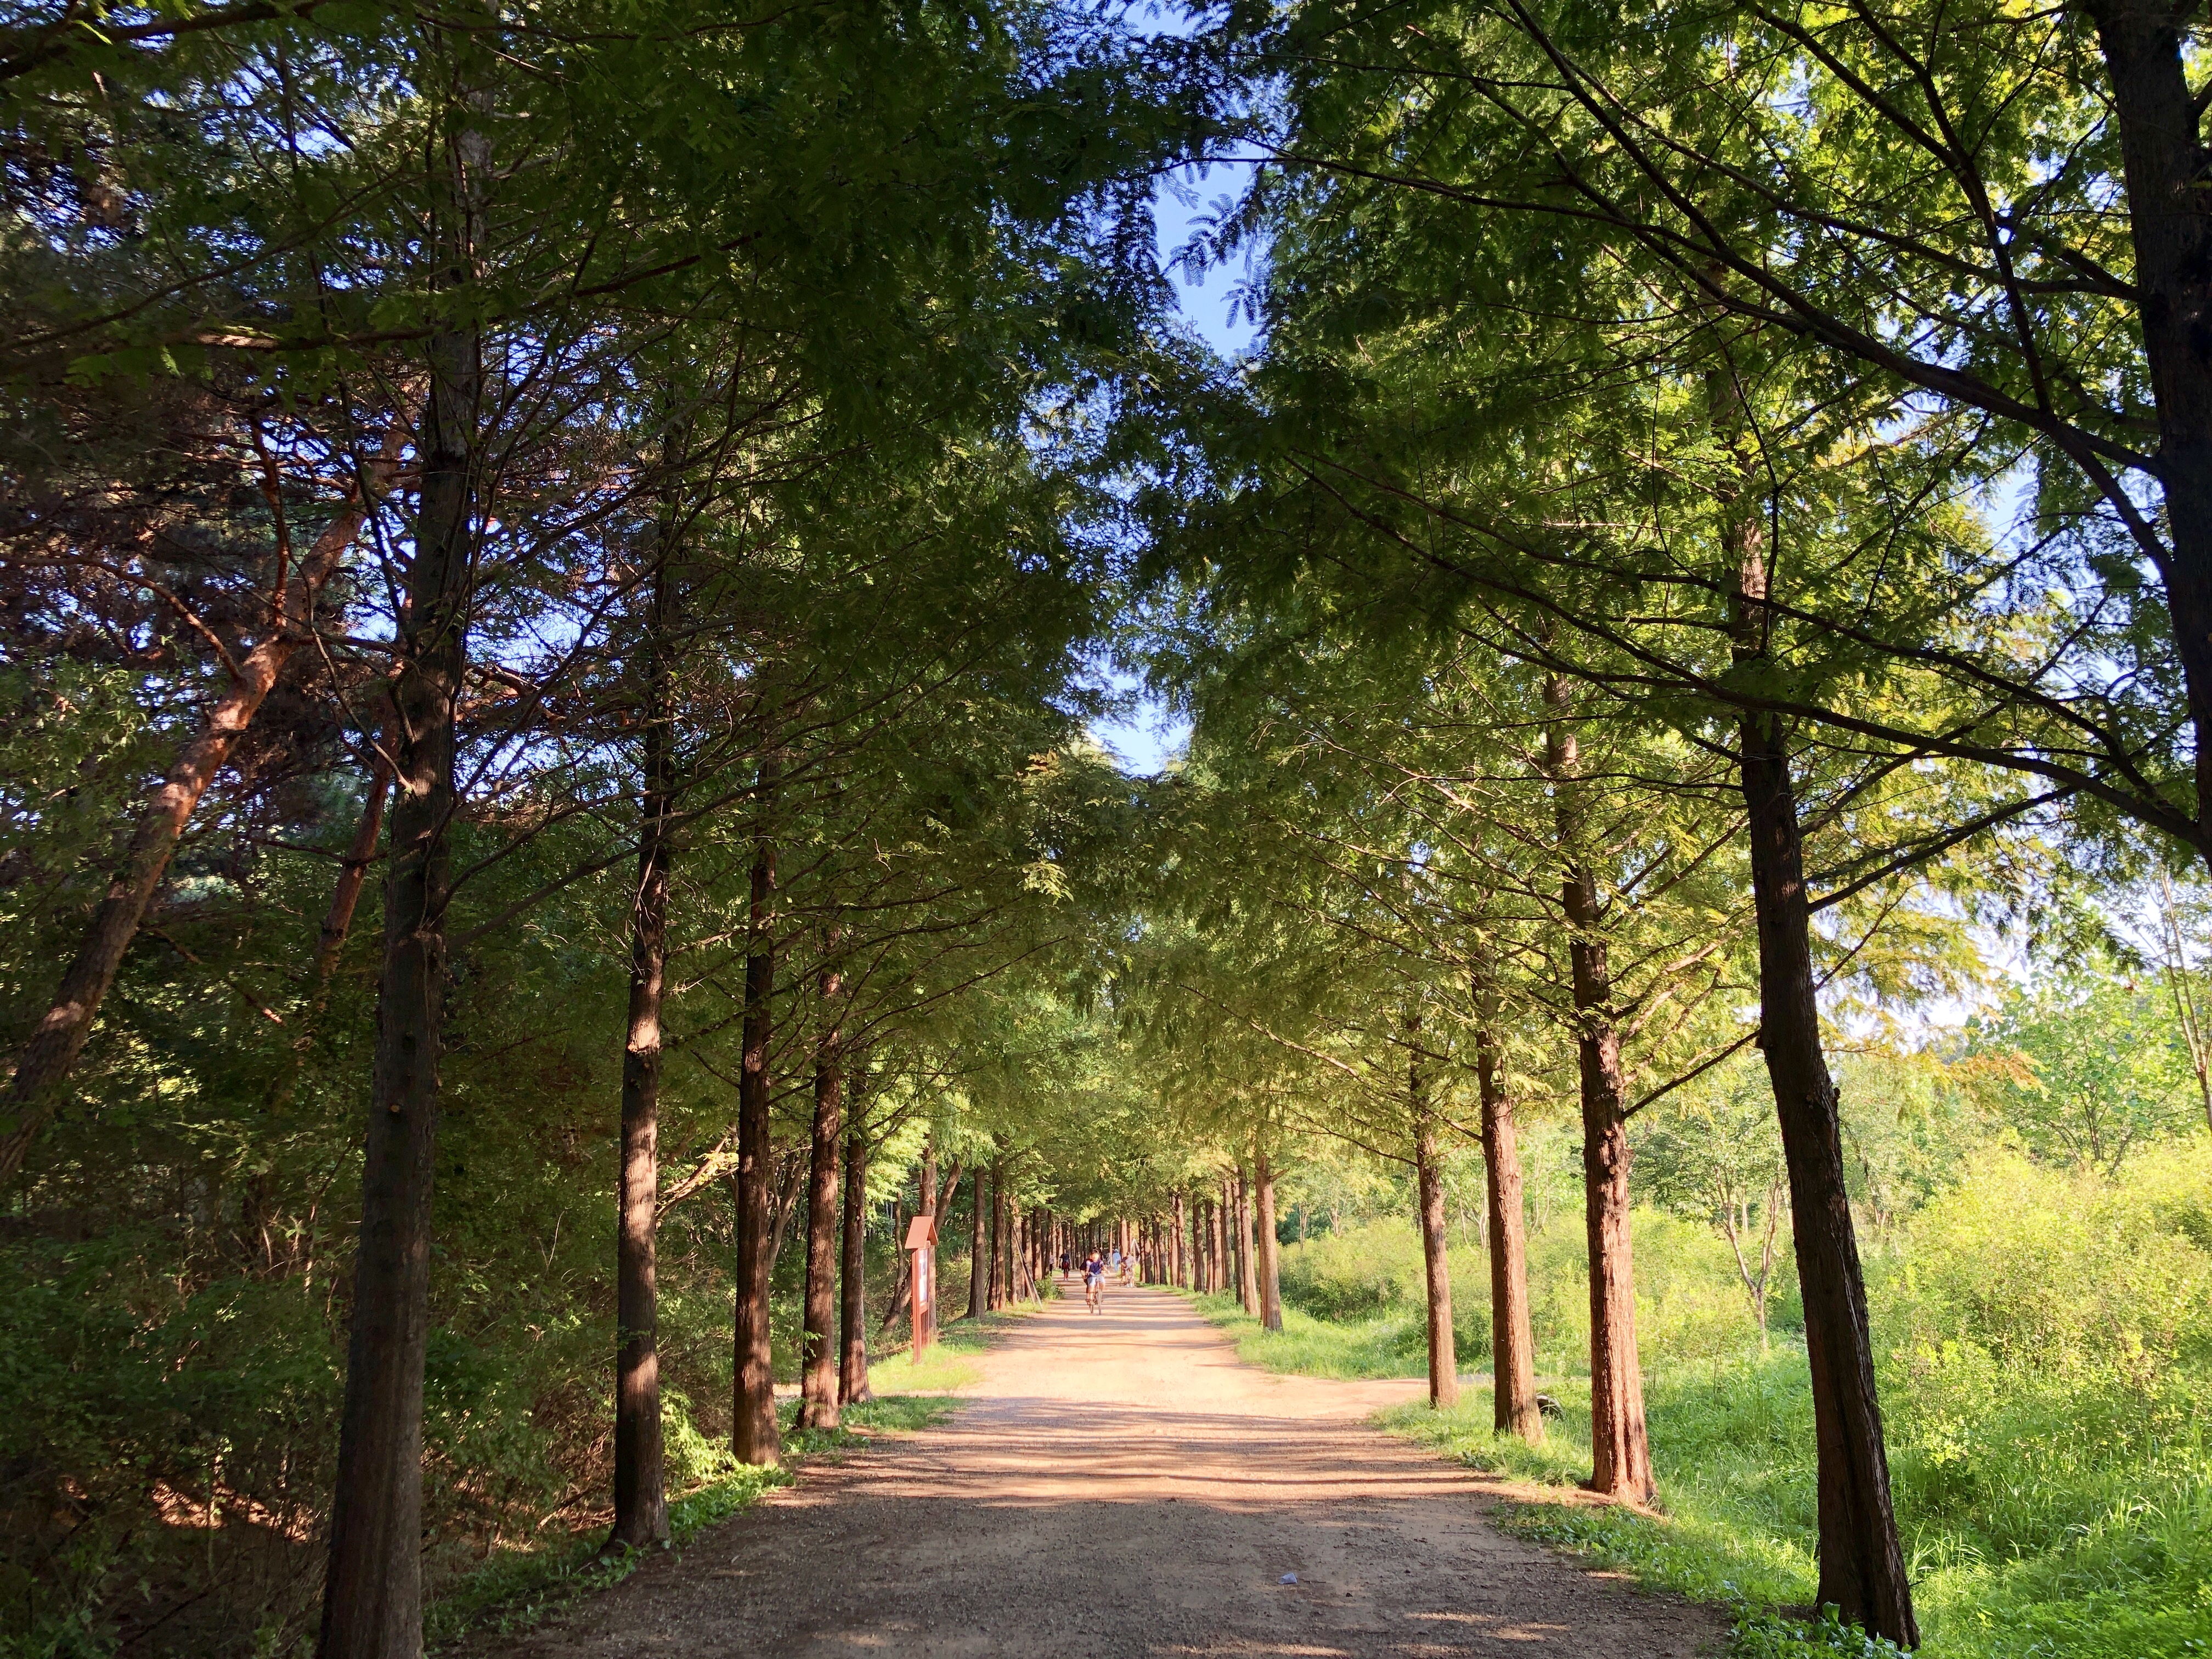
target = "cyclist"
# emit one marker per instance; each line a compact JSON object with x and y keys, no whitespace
{"x":1094,"y":1281}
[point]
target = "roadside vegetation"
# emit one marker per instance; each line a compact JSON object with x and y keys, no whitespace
{"x":2045,"y":1343}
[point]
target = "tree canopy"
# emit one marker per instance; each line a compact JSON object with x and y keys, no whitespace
{"x":562,"y":569}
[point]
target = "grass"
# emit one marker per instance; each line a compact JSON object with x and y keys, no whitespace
{"x":2122,"y":1571}
{"x":953,"y":1361}
{"x":1738,"y":1529}
{"x":1393,"y":1343}
{"x":519,"y":1588}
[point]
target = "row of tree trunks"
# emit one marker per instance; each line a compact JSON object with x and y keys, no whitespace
{"x":1002,"y":1238}
{"x":1224,"y":1262}
{"x":1248,"y":1267}
{"x":1271,"y":1274}
{"x":1224,"y":1251}
{"x":943,"y":1198}
{"x":979,"y":1252}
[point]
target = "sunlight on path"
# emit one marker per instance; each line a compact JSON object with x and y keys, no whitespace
{"x":1120,"y":1484}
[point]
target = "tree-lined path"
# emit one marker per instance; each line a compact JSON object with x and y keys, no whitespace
{"x":1120,"y":1484}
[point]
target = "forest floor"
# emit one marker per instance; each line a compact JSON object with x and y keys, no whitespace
{"x":1119,"y":1484}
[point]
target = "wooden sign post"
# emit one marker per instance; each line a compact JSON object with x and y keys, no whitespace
{"x":921,"y":1240}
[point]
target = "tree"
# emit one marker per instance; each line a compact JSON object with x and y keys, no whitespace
{"x":2084,"y":1068}
{"x":1714,"y":1156}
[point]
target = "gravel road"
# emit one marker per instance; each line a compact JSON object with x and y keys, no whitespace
{"x":1120,"y":1484}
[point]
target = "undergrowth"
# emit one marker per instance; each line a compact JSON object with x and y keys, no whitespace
{"x":2045,"y":1351}
{"x":1738,"y":1529}
{"x":1390,"y":1343}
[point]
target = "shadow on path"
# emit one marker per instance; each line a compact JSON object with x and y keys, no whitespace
{"x":1119,"y":1484}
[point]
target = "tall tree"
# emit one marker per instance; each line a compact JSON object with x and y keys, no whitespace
{"x":754,"y":1435}
{"x":373,"y":1592}
{"x":1436,"y":1271}
{"x":641,"y":1501}
{"x":819,"y":1360}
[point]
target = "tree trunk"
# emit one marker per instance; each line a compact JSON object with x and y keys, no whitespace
{"x":996,"y":1288}
{"x":945,"y":1197}
{"x":1862,"y":1571}
{"x":1620,"y":1447}
{"x":641,"y":1501}
{"x":902,"y":1280}
{"x":1247,"y":1269}
{"x":1513,"y":1344}
{"x":373,"y":1582}
{"x":1217,"y":1242}
{"x":818,"y":1384}
{"x":1178,"y":1260}
{"x":753,"y":1430}
{"x":2161,"y":154}
{"x":45,"y":1062}
{"x":1443,"y":1351}
{"x":852,"y":1282}
{"x":1862,"y":1565}
{"x":1271,"y":1277}
{"x":979,"y":1250}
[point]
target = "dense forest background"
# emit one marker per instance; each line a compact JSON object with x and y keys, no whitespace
{"x":562,"y":569}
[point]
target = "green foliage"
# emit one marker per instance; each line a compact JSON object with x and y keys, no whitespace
{"x":1374,"y":1274}
{"x":1392,"y":1344}
{"x":2084,"y":1065}
{"x":2047,"y":1423}
{"x":1369,"y":1278}
{"x":1357,"y":1274}
{"x":2047,"y":1347}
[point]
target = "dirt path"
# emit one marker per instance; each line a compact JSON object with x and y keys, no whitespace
{"x":1120,"y":1484}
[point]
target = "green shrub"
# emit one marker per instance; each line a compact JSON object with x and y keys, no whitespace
{"x":1690,"y":1304}
{"x":1355,"y":1275}
{"x":2046,"y":1347}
